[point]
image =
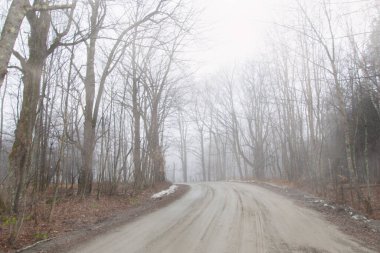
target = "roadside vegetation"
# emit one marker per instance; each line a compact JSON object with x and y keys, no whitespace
{"x":97,"y":99}
{"x":304,"y":112}
{"x":87,"y":88}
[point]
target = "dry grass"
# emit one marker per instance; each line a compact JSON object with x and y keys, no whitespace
{"x":70,"y":213}
{"x":347,"y":196}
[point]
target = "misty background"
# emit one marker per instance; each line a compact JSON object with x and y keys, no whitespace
{"x":102,"y":96}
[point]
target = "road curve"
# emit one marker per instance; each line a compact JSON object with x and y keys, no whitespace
{"x":226,"y":217}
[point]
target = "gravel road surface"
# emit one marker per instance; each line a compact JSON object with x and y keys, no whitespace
{"x":226,"y":217}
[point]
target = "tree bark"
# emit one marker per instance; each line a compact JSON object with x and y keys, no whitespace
{"x":87,"y":148}
{"x":9,"y":33}
{"x":32,"y":68}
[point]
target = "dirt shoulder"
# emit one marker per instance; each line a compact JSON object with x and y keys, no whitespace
{"x":111,"y":213}
{"x":348,"y":220}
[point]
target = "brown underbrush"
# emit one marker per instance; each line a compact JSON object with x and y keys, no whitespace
{"x":39,"y":221}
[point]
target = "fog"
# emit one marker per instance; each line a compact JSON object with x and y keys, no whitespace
{"x":235,"y":35}
{"x":110,"y":95}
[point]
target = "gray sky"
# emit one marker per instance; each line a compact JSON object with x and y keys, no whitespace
{"x":234,"y":30}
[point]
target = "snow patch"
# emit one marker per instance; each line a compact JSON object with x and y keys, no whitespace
{"x":277,"y":186}
{"x":358,"y":217}
{"x":241,"y":181}
{"x":327,"y":205}
{"x":168,"y":191}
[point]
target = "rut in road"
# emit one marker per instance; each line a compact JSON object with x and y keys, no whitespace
{"x":226,"y":217}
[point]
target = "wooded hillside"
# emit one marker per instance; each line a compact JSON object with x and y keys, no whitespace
{"x":95,"y":92}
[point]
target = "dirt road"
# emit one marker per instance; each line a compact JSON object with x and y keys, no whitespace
{"x":226,"y":217}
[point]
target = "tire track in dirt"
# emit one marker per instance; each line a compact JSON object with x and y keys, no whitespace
{"x":169,"y":236}
{"x":227,"y":217}
{"x":253,"y":223}
{"x":215,"y":228}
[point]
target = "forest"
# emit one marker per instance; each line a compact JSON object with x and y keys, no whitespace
{"x":101,"y":98}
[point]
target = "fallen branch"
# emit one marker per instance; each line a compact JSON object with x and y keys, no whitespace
{"x":33,"y":245}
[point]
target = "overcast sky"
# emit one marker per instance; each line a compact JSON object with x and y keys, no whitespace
{"x":234,"y":30}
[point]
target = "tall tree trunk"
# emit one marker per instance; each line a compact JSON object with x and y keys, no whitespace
{"x":9,"y":33}
{"x":157,"y":155}
{"x":204,"y":178}
{"x":209,"y":152}
{"x":2,"y":117}
{"x":183,"y":145}
{"x":184,"y":161}
{"x":32,"y":68}
{"x":87,"y":149}
{"x":138,"y":173}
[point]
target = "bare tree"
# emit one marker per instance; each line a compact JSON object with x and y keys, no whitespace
{"x":9,"y":33}
{"x":32,"y":68}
